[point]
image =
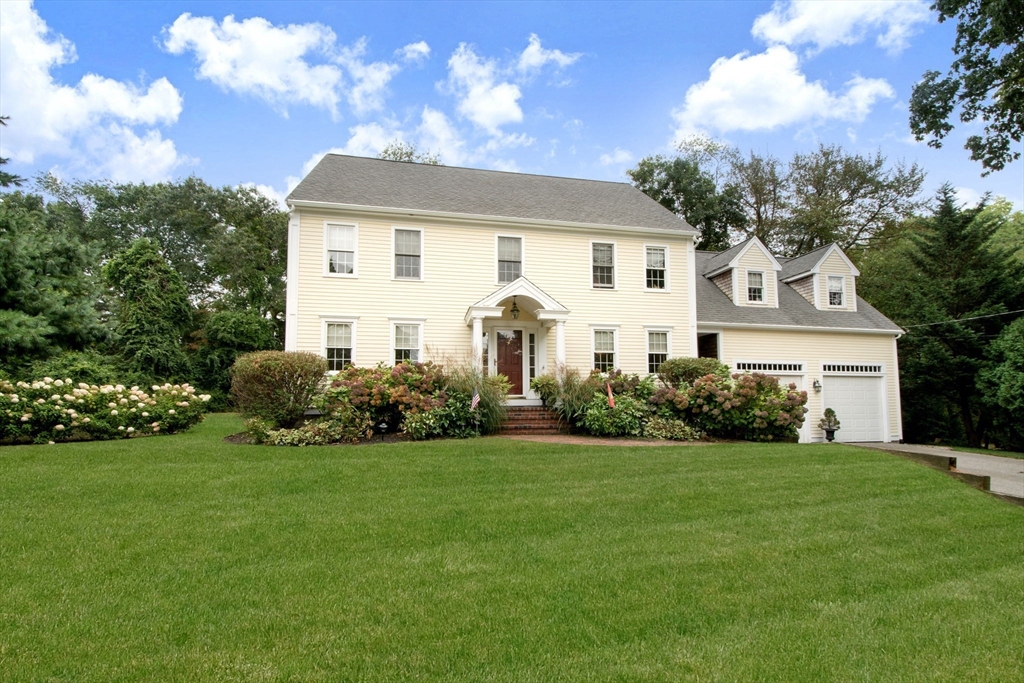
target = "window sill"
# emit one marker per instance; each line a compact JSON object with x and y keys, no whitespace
{"x":342,"y":276}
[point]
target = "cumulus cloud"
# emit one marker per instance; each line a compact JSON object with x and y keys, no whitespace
{"x":437,"y":135}
{"x":617,"y":156}
{"x":414,"y":52}
{"x":768,"y":90}
{"x":91,"y":124}
{"x":534,"y":57}
{"x":483,"y":99}
{"x":370,"y":81}
{"x":828,"y":24}
{"x":254,"y":57}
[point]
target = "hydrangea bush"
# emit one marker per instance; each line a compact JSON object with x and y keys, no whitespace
{"x":51,"y":410}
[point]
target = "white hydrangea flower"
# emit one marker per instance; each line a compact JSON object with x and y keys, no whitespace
{"x":86,"y":420}
{"x":25,"y":418}
{"x":83,"y":385}
{"x":113,"y":412}
{"x":145,"y":415}
{"x":171,"y":411}
{"x":111,"y":405}
{"x":58,"y":383}
{"x":59,"y":428}
{"x":123,"y":401}
{"x":121,"y":428}
{"x":130,"y":430}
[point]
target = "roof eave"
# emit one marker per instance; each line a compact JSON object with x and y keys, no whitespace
{"x":508,"y":220}
{"x":805,"y":328}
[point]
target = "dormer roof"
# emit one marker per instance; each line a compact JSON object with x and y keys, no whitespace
{"x":729,"y":258}
{"x":810,"y":263}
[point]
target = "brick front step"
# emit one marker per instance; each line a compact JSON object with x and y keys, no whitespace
{"x":522,"y":420}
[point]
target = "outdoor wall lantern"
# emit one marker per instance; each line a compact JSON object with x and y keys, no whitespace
{"x":817,"y":386}
{"x":515,"y":310}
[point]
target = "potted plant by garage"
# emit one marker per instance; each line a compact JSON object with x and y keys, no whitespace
{"x":829,"y":424}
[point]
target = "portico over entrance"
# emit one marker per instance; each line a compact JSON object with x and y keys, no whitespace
{"x":512,"y":331}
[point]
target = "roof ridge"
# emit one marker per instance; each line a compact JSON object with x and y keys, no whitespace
{"x":486,"y":170}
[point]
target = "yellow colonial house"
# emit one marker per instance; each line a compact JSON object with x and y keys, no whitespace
{"x":521,"y":273}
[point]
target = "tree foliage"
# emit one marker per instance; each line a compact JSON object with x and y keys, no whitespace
{"x":396,"y":150}
{"x":986,"y":81}
{"x":948,"y":285}
{"x":8,"y":179}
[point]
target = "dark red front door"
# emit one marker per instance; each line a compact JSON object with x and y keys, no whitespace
{"x":510,"y":358}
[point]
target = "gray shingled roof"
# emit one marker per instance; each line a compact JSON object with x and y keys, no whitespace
{"x":713,"y":306}
{"x":720,"y":259}
{"x":340,"y":179}
{"x":803,"y":263}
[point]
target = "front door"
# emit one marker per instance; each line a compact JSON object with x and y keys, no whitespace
{"x":510,"y":358}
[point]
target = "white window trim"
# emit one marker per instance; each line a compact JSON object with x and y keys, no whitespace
{"x":355,"y":253}
{"x":614,"y":329}
{"x":828,"y":292}
{"x":423,"y":258}
{"x":394,"y":322}
{"x":344,"y":319}
{"x":615,"y":266}
{"x":647,"y":340}
{"x":522,"y":256}
{"x":668,"y":282}
{"x":764,"y":287}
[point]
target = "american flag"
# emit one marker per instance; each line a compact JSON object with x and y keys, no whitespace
{"x":476,"y":400}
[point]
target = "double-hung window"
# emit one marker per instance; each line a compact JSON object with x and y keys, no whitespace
{"x":510,"y":259}
{"x":341,"y":249}
{"x":836,"y":290}
{"x":603,"y":259}
{"x":657,"y":349}
{"x":408,"y":254}
{"x":338,"y":345}
{"x":755,"y":287}
{"x":604,"y":350}
{"x":407,"y":342}
{"x":656,"y":259}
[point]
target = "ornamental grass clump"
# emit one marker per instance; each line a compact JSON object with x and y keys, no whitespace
{"x":52,"y":410}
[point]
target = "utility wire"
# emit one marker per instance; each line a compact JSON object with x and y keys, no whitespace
{"x":960,"y":320}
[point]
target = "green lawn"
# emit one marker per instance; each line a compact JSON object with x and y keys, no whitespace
{"x":186,"y":559}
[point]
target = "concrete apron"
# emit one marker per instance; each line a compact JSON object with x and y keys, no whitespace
{"x":1006,"y":474}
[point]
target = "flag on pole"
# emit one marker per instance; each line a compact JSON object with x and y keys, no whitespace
{"x":476,"y":400}
{"x":611,"y":399}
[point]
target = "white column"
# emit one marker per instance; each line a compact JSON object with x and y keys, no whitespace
{"x":478,"y":354}
{"x":560,"y":342}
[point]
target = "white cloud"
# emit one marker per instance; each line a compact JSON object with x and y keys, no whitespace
{"x":437,"y":135}
{"x":414,"y":52}
{"x":483,"y":99}
{"x":967,"y":196}
{"x":768,"y":90}
{"x":574,"y":127}
{"x":617,"y":156}
{"x":254,"y":57}
{"x":828,"y":24}
{"x":535,"y":57}
{"x":370,"y":81}
{"x":88,"y":124}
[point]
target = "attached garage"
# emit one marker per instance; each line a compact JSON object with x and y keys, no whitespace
{"x":856,"y":393}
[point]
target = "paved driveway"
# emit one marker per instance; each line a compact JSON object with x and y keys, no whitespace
{"x":1007,"y":473}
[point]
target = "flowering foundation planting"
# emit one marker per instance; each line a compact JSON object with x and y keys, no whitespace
{"x":51,"y":410}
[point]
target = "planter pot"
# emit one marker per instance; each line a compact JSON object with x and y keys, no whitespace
{"x":830,"y":435}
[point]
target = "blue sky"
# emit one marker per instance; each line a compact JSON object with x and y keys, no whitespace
{"x":255,"y":92}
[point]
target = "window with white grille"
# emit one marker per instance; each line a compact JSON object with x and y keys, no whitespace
{"x":836,"y":290}
{"x":510,"y":259}
{"x":604,"y":350}
{"x":656,"y":258}
{"x":407,"y":343}
{"x":755,"y":287}
{"x":853,"y":369}
{"x":603,"y":258}
{"x":338,"y":345}
{"x":657,"y":350}
{"x":341,"y":249}
{"x":409,"y":254}
{"x":769,"y":367}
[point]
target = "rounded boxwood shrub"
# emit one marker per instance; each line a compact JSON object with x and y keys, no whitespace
{"x":679,"y":372}
{"x":277,"y":386}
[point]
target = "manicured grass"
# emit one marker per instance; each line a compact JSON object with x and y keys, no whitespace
{"x":989,"y":451}
{"x":186,"y":559}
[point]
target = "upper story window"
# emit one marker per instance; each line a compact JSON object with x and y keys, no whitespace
{"x":340,"y":243}
{"x":407,"y":342}
{"x":755,"y":287}
{"x":836,"y":290}
{"x":408,"y":254}
{"x":510,"y":259}
{"x":338,"y":345}
{"x":603,"y":258}
{"x":604,"y":350}
{"x":656,"y":263}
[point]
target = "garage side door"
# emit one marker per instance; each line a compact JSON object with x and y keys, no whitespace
{"x":858,"y":405}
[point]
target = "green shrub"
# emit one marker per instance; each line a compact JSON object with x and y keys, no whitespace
{"x":222,"y":338}
{"x":676,"y":430}
{"x":455,"y":419}
{"x":344,"y":427}
{"x":683,"y":372}
{"x":385,"y":394}
{"x":547,"y":388}
{"x":59,"y":410}
{"x":90,"y":367}
{"x":625,"y":419}
{"x":462,"y":378}
{"x":277,"y":386}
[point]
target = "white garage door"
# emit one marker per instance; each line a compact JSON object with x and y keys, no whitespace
{"x":858,"y":405}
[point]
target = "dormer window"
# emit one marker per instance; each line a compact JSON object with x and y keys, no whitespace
{"x":836,"y":291}
{"x":755,"y":287}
